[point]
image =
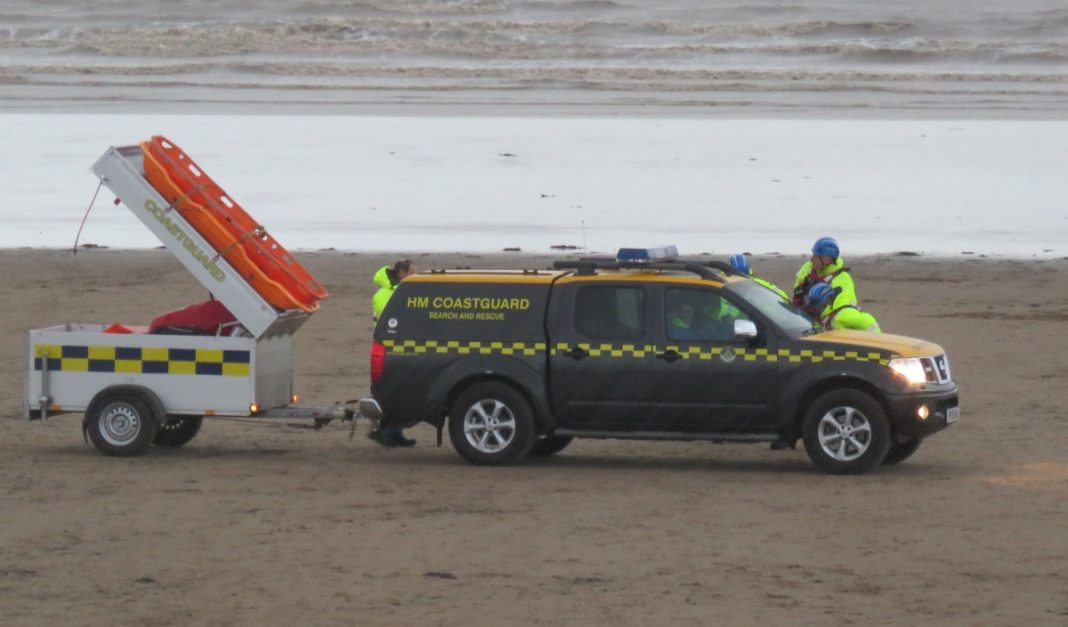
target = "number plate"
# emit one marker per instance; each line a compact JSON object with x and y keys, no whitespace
{"x":952,"y":415}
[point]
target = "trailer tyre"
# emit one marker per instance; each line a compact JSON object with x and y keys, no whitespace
{"x":491,"y":424}
{"x":177,"y":431}
{"x":122,"y":425}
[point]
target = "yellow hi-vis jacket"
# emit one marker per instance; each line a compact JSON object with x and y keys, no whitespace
{"x":768,"y":284}
{"x":849,"y":317}
{"x":835,"y":275}
{"x":842,"y":312}
{"x":386,"y":287}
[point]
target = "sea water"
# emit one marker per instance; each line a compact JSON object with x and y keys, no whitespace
{"x":535,"y":183}
{"x":943,"y":57}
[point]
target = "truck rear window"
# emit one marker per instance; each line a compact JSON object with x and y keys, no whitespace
{"x":609,"y":312}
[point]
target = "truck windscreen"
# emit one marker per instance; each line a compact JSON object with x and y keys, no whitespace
{"x":784,"y":314}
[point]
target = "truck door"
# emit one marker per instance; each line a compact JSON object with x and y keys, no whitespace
{"x":600,"y":353}
{"x":703,"y":379}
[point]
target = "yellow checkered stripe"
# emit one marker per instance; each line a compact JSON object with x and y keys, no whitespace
{"x":782,"y":354}
{"x":608,"y":350}
{"x":630,"y":351}
{"x":456,"y":347}
{"x":142,"y":360}
{"x":720,"y":352}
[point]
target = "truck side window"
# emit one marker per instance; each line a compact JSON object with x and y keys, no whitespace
{"x":699,"y":315}
{"x":608,"y":312}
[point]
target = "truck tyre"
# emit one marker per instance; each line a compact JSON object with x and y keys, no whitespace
{"x":846,"y":432}
{"x":177,"y":431}
{"x":901,"y":451}
{"x":491,"y":424}
{"x":549,"y":445}
{"x":122,"y":425}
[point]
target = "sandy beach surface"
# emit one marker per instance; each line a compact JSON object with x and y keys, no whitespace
{"x":254,"y":524}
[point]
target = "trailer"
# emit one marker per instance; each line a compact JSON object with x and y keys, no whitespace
{"x":138,"y":389}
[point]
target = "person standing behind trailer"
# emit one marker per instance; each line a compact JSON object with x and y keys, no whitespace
{"x":741,"y":264}
{"x":387,"y":279}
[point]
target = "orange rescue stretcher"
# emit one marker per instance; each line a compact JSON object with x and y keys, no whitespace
{"x":267,"y":266}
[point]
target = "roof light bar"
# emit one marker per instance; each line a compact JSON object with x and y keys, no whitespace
{"x":647,"y":255}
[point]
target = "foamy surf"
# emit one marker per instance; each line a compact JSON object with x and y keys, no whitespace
{"x":836,"y":55}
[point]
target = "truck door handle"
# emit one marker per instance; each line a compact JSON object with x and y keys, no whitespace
{"x":576,"y":352}
{"x":669,"y":356}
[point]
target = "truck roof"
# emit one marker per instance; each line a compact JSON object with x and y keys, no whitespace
{"x":486,"y":276}
{"x":533,"y":276}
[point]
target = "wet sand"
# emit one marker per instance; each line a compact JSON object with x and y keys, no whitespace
{"x":255,"y":524}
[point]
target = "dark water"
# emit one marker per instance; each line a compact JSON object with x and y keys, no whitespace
{"x":985,"y":57}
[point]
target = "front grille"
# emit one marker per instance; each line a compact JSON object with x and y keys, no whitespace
{"x":937,"y":369}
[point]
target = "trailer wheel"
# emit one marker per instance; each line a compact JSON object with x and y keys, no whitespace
{"x":177,"y":431}
{"x":122,"y":425}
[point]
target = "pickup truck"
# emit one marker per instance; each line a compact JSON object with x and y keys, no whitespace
{"x":519,"y":363}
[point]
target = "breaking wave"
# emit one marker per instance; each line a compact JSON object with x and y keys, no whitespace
{"x":642,"y":45}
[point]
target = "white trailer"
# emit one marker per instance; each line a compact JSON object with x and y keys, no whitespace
{"x":139,"y":389}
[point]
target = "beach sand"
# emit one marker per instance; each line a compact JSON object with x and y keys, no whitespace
{"x":253,"y":524}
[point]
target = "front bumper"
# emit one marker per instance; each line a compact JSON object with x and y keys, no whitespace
{"x":943,"y":409}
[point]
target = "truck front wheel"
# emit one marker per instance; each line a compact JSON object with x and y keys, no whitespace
{"x":846,"y":432}
{"x":491,"y":424}
{"x":177,"y":431}
{"x":122,"y":425}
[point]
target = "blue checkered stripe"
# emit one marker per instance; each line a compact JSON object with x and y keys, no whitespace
{"x":142,"y":360}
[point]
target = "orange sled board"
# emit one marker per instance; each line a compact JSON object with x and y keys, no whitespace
{"x":268,"y":267}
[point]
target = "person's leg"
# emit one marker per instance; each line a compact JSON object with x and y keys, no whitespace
{"x":390,"y":436}
{"x":397,"y":435}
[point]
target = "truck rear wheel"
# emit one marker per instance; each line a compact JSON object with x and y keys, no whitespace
{"x":846,"y":432}
{"x":122,"y":425}
{"x":491,"y":424}
{"x":177,"y":431}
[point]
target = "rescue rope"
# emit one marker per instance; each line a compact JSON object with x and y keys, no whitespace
{"x":86,"y":216}
{"x":259,"y":231}
{"x":185,"y":196}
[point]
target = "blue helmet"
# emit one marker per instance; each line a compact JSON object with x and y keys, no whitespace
{"x":740,"y":263}
{"x":819,"y":295}
{"x":826,"y":247}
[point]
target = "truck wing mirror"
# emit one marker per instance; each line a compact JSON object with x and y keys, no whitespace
{"x":745,"y":329}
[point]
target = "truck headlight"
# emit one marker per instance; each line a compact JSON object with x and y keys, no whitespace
{"x":910,"y":368}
